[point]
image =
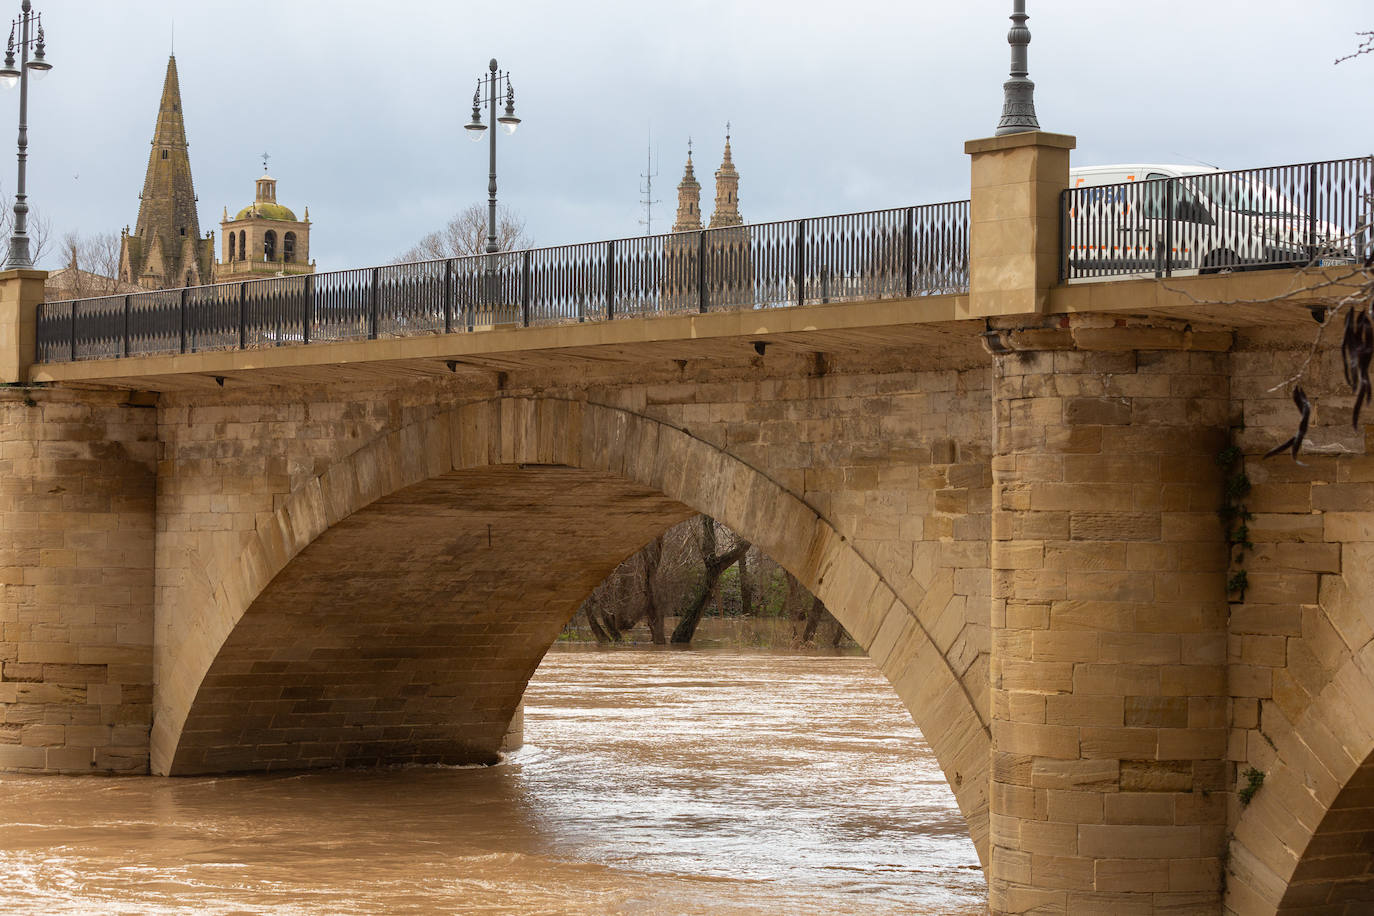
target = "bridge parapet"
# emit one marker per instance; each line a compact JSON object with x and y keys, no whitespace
{"x":1164,"y":221}
{"x":900,"y":253}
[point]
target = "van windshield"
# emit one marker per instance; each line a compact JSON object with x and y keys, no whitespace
{"x":1245,"y":196}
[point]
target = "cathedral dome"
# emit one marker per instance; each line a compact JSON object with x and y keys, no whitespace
{"x":266,"y":210}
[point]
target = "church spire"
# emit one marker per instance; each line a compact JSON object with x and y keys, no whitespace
{"x":688,"y":198}
{"x":167,"y":208}
{"x":727,"y":190}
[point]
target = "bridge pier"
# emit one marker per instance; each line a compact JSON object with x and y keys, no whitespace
{"x":1109,"y":614}
{"x":76,"y":581}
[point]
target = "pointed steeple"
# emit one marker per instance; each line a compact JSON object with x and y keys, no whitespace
{"x":167,"y":207}
{"x":727,"y":190}
{"x":688,"y":198}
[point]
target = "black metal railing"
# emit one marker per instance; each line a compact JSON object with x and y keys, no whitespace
{"x":910,"y":251}
{"x":1312,"y":214}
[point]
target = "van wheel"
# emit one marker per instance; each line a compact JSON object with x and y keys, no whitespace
{"x":1218,"y":261}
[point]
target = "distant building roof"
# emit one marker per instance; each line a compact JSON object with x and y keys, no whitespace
{"x":266,"y":210}
{"x":75,"y":283}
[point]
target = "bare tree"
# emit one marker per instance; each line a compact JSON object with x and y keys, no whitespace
{"x":650,"y":559}
{"x":715,"y":564}
{"x":91,"y":268}
{"x":1366,"y":46}
{"x":37,"y":226}
{"x":96,"y":254}
{"x":746,"y":591}
{"x":646,"y":587}
{"x":1356,"y":310}
{"x":466,"y":234}
{"x":683,"y":571}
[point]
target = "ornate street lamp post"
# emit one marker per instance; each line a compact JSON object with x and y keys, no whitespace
{"x":1018,"y":93}
{"x":493,"y":81}
{"x":27,"y":21}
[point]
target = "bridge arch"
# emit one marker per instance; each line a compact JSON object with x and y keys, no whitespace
{"x":1305,"y":844}
{"x":654,"y":472}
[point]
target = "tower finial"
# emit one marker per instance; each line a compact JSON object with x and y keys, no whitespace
{"x":265,"y":158}
{"x":1018,"y":93}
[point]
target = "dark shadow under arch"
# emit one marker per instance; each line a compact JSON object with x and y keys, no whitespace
{"x":406,"y":632}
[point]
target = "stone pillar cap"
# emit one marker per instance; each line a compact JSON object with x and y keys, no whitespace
{"x":23,"y":273}
{"x":1025,"y":138}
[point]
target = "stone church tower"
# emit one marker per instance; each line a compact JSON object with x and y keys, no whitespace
{"x":166,"y":250}
{"x":688,"y":199}
{"x":727,"y":192}
{"x":264,"y":239}
{"x":681,"y":277}
{"x":728,"y":270}
{"x":729,"y":258}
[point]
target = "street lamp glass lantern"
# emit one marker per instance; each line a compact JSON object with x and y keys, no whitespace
{"x":475,"y":130}
{"x":509,"y":122}
{"x":9,"y":75}
{"x":39,"y":65}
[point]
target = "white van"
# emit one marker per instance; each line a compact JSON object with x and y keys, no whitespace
{"x":1188,"y":218}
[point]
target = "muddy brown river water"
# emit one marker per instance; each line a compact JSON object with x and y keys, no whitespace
{"x":651,"y":782}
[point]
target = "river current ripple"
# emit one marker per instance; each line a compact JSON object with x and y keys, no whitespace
{"x":651,"y":782}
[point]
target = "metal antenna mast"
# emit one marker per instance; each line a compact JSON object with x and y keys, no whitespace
{"x":647,"y":188}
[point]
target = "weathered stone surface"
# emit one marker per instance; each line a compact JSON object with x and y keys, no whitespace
{"x":77,"y":546}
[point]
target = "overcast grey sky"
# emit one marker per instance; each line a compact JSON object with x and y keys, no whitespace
{"x":836,"y":106}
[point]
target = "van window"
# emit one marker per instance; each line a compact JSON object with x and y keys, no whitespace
{"x":1152,"y":199}
{"x":1248,"y":197}
{"x":1187,"y":207}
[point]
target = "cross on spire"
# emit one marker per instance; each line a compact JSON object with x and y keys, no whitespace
{"x":265,"y":157}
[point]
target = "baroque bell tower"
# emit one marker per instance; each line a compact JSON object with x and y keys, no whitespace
{"x":727,"y":191}
{"x":688,"y":198}
{"x":729,"y":256}
{"x":264,"y":238}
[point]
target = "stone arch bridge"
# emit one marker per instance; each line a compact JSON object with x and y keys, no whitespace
{"x":357,"y":553}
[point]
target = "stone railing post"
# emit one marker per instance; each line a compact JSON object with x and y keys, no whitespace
{"x":20,"y":292}
{"x":1014,"y":221}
